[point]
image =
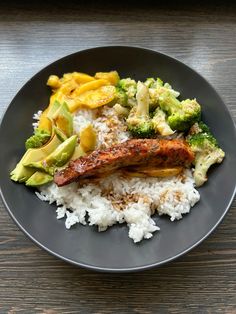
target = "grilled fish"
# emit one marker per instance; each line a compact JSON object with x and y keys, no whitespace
{"x":134,"y":152}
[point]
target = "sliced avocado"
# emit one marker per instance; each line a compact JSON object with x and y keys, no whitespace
{"x":61,"y":135}
{"x":63,"y":120}
{"x":39,"y":178}
{"x":62,"y":153}
{"x":22,"y":173}
{"x":57,"y":158}
{"x":52,"y":109}
{"x":78,"y":152}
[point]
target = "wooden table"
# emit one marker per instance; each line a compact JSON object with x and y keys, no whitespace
{"x":32,"y":36}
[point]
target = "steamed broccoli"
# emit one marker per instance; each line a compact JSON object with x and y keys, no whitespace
{"x":129,"y":86}
{"x":139,"y":122}
{"x":121,"y":110}
{"x":181,"y":115}
{"x":152,"y":83}
{"x":121,"y":97}
{"x":39,"y":138}
{"x":126,"y":92}
{"x":206,"y":149}
{"x":156,"y":89}
{"x":160,"y":124}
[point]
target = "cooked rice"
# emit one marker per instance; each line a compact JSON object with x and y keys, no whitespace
{"x":36,"y":117}
{"x":110,"y":129}
{"x":117,"y":199}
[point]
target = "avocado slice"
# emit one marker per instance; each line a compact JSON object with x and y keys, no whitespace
{"x":78,"y":152}
{"x":62,"y":153}
{"x":61,"y":135}
{"x":53,"y":109}
{"x":60,"y":115}
{"x":38,"y":178}
{"x":22,"y":173}
{"x":63,"y":120}
{"x":57,"y":158}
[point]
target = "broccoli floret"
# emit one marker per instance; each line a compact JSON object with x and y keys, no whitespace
{"x":156,"y":89}
{"x":206,"y":150}
{"x":127,"y":89}
{"x":39,"y":138}
{"x":199,"y":127}
{"x":160,"y":124}
{"x":149,"y":82}
{"x":120,"y":110}
{"x":169,"y":88}
{"x":152,"y":83}
{"x":121,"y":97}
{"x":138,"y":121}
{"x":181,"y":115}
{"x":129,"y":86}
{"x":203,"y":127}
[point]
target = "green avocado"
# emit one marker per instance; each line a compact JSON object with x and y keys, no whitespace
{"x":63,"y":120}
{"x":39,"y":178}
{"x":41,"y":136}
{"x":78,"y":152}
{"x":22,"y":173}
{"x":57,"y":158}
{"x":53,"y":109}
{"x":61,"y":135}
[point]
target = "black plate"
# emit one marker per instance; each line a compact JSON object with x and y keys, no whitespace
{"x":113,"y":250}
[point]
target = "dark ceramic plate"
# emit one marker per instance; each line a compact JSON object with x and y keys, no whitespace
{"x":113,"y":250}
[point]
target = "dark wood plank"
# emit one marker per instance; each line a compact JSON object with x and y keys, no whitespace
{"x":31,"y":36}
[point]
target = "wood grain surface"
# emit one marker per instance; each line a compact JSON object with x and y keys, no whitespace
{"x":202,"y":36}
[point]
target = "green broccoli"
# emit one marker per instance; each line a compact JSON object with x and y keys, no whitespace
{"x":139,"y":122}
{"x":129,"y":86}
{"x":206,"y":149}
{"x":126,"y":92}
{"x":168,"y":87}
{"x":152,"y":83}
{"x":181,"y":115}
{"x":160,"y":124}
{"x":121,"y":97}
{"x":156,"y":89}
{"x":39,"y":138}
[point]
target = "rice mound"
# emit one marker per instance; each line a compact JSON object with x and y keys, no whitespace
{"x":118,"y":199}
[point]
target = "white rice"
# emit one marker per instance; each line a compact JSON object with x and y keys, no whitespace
{"x":36,"y":118}
{"x":110,"y":129}
{"x":118,"y":199}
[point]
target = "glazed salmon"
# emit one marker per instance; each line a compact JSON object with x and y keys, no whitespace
{"x":134,"y":152}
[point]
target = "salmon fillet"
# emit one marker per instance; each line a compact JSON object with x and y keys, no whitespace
{"x":150,"y":152}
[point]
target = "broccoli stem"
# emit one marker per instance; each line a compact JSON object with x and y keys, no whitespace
{"x":203,"y":162}
{"x":142,"y":97}
{"x":160,"y":124}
